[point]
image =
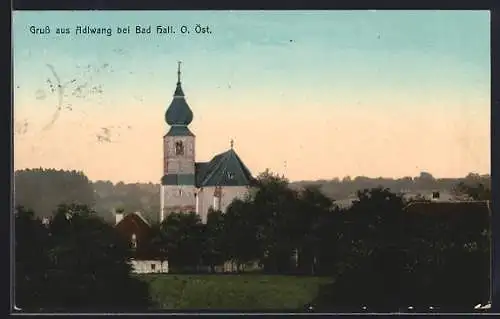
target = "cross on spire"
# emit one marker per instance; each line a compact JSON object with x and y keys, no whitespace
{"x":179,"y":71}
{"x":232,"y":143}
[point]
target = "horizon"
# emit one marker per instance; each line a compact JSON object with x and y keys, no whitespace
{"x":255,"y":175}
{"x":308,"y":94}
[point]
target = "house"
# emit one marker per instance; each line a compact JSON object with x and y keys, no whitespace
{"x":135,"y":228}
{"x":432,"y":195}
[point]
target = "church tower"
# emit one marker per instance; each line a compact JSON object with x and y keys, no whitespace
{"x":178,"y":186}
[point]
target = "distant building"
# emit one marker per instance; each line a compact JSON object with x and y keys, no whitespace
{"x":137,"y":230}
{"x":190,"y":186}
{"x":433,"y":195}
{"x":345,"y":203}
{"x":407,"y":195}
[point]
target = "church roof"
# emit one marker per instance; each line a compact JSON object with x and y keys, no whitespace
{"x":199,"y":169}
{"x":179,"y":113}
{"x":225,"y":169}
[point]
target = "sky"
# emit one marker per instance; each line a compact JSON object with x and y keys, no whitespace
{"x":309,"y":94}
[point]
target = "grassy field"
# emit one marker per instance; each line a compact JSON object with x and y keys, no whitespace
{"x":233,"y":292}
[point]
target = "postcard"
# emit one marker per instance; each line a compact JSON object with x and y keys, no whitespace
{"x":271,"y":161}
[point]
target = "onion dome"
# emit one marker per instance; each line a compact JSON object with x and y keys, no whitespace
{"x":179,"y":113}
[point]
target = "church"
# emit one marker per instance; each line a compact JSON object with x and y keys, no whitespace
{"x":190,"y":186}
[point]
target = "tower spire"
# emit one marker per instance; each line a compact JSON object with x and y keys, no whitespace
{"x":179,"y":71}
{"x":232,"y":143}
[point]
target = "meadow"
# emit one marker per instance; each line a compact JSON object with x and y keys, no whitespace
{"x":233,"y":291}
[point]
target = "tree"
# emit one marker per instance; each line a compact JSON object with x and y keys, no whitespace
{"x":42,"y":190}
{"x":241,"y":233}
{"x":448,"y":244}
{"x":476,"y":191}
{"x":159,"y":241}
{"x":314,"y":210}
{"x":368,"y":241}
{"x":274,"y":206}
{"x":213,"y":248}
{"x":183,"y":238}
{"x":87,"y":267}
{"x":31,"y":244}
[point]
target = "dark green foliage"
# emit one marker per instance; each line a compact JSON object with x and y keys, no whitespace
{"x":182,"y":237}
{"x":32,"y":261}
{"x":214,"y":240}
{"x":431,"y":256}
{"x":241,"y":233}
{"x":75,"y":263}
{"x":445,"y":247}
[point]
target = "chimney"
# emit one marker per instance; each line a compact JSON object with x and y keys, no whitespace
{"x":118,"y":216}
{"x":46,"y":221}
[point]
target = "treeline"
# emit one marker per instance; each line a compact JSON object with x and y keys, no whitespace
{"x":76,"y":263}
{"x":342,"y":188}
{"x":381,"y":255}
{"x":43,"y":189}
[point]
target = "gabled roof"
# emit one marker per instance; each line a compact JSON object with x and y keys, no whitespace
{"x":225,"y":169}
{"x":136,"y":218}
{"x":139,"y":214}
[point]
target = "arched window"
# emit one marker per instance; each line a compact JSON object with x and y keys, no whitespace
{"x":134,"y":241}
{"x":179,"y":148}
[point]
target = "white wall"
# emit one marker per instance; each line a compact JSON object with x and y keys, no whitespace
{"x":229,"y":193}
{"x":172,"y":198}
{"x":162,"y":203}
{"x":145,"y":266}
{"x":118,"y":217}
{"x":444,"y":196}
{"x":178,"y":195}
